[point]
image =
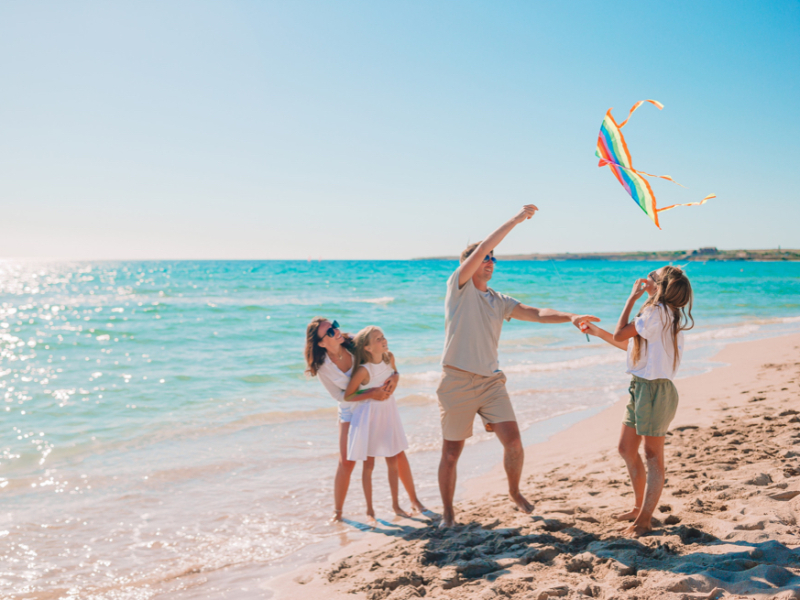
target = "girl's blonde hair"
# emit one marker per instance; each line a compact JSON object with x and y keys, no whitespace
{"x":674,"y":292}
{"x":362,"y":355}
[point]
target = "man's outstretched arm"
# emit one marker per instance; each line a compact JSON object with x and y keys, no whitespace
{"x":467,"y":270}
{"x":523,"y":312}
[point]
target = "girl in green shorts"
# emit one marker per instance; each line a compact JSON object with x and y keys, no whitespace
{"x":654,"y":342}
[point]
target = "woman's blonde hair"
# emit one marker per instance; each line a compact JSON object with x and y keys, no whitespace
{"x":362,"y":355}
{"x":674,"y":292}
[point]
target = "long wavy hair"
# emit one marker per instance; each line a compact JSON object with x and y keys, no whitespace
{"x":314,"y":353}
{"x":674,"y":292}
{"x":360,"y":341}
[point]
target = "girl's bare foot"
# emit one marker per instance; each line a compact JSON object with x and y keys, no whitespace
{"x":337,"y":517}
{"x":417,"y":507}
{"x":521,"y":502}
{"x":400,"y":512}
{"x":635,"y":530}
{"x":628,"y":516}
{"x":371,"y":520}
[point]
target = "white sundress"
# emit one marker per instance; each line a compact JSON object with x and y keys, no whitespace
{"x":375,"y":427}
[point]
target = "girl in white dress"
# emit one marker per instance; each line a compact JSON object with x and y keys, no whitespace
{"x":328,"y":356}
{"x":375,"y":425}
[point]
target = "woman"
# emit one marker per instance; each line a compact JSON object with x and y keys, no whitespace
{"x":328,"y":357}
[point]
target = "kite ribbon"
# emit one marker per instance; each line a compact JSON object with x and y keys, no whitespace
{"x":655,"y":103}
{"x":703,"y":201}
{"x":603,"y":162}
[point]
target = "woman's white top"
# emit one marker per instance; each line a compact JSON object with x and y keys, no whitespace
{"x":656,"y":362}
{"x":376,"y":429}
{"x":335,"y":381}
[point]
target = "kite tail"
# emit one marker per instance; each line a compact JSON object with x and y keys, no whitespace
{"x":703,"y":201}
{"x":655,"y":103}
{"x":603,"y":162}
{"x":667,"y":177}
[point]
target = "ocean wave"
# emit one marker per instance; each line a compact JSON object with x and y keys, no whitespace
{"x":268,"y":418}
{"x":381,"y":300}
{"x":722,"y":333}
{"x":422,"y":377}
{"x":416,"y":399}
{"x":565,"y":365}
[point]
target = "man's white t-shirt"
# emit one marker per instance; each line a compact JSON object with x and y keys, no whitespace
{"x":656,"y":362}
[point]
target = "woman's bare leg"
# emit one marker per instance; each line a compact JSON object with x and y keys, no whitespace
{"x":391,"y":467}
{"x":342,"y":481}
{"x":629,"y":450}
{"x":407,"y":479}
{"x":366,"y":482}
{"x":654,"y":454}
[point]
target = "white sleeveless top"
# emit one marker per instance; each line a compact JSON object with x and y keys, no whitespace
{"x":378,"y":374}
{"x":335,"y":381}
{"x":375,"y":427}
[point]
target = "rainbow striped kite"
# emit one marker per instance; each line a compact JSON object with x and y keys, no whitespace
{"x":613,"y":153}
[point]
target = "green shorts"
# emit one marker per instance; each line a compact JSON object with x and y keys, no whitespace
{"x":652,"y":406}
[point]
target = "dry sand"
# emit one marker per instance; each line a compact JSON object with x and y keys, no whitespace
{"x":727,"y":522}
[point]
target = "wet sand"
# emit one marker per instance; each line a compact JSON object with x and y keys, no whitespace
{"x":727,"y":523}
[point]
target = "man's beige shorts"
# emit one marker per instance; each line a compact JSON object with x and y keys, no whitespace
{"x":462,"y":395}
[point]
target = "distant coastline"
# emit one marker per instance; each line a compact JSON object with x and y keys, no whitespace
{"x":701,"y":254}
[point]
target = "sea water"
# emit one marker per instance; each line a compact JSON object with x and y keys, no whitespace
{"x":156,"y":421}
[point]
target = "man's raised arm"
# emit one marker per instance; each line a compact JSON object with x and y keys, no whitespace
{"x":470,"y":266}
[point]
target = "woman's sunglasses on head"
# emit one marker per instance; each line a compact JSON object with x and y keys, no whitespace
{"x":331,"y":330}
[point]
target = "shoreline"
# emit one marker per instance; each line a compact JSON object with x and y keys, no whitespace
{"x":598,"y":435}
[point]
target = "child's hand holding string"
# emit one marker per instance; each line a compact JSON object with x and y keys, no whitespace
{"x":589,"y":328}
{"x":577,"y":320}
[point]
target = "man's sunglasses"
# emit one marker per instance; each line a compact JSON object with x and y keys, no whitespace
{"x":488,"y":258}
{"x":331,"y":332}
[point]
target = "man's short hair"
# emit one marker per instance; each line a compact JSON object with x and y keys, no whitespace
{"x":470,"y":249}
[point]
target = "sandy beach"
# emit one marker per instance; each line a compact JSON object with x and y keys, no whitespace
{"x":726,"y":525}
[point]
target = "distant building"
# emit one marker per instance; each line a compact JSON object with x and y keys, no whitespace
{"x":709,"y":251}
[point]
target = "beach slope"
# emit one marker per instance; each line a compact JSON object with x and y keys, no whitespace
{"x":727,"y":522}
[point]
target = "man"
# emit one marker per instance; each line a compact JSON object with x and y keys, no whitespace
{"x":472,"y":382}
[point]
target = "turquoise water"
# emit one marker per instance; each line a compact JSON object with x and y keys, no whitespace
{"x":156,"y":418}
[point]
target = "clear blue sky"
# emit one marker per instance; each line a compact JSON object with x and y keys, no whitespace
{"x":371,"y":129}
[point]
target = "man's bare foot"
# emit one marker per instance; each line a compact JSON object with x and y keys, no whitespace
{"x":635,"y":530}
{"x":400,"y":512}
{"x":628,"y":516}
{"x":521,"y":502}
{"x":448,"y":520}
{"x":337,"y":517}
